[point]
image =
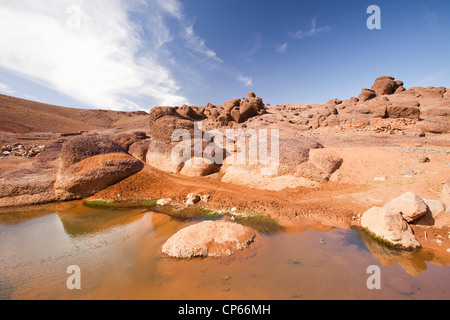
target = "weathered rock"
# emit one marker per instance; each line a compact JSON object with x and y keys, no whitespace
{"x":124,"y":140}
{"x":435,"y":206}
{"x":409,"y":205}
{"x":209,"y":239}
{"x":436,"y":125}
{"x":414,"y":133}
{"x":191,"y":113}
{"x":389,"y":227}
{"x":229,"y":105}
{"x":172,"y":157}
{"x":159,"y":112}
{"x":247,"y":111}
{"x":192,"y":199}
{"x":199,"y":167}
{"x":139,"y":150}
{"x":80,"y":148}
{"x":91,"y":175}
{"x":294,"y":167}
{"x":445,"y":197}
{"x":402,"y":111}
{"x":163,"y":128}
{"x":366,"y":95}
{"x":28,"y":186}
{"x":159,"y":156}
{"x":384,"y":85}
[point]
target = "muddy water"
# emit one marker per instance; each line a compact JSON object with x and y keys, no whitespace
{"x":119,"y":255}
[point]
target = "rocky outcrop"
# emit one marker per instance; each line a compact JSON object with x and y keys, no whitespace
{"x":409,"y":205}
{"x":125,"y":140}
{"x":91,"y":164}
{"x":302,"y":162}
{"x":386,"y":108}
{"x":34,"y":185}
{"x":391,"y":228}
{"x":28,"y":186}
{"x":139,"y":150}
{"x":366,"y":95}
{"x":209,"y":239}
{"x":199,"y":167}
{"x":163,"y":128}
{"x":390,"y":223}
{"x":387,"y":85}
{"x":91,"y":175}
{"x":80,"y":148}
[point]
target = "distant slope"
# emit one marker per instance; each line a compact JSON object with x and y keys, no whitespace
{"x":23,"y":116}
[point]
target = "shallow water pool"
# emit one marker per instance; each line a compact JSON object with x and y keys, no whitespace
{"x":119,"y":255}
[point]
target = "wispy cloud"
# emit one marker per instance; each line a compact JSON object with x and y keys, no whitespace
{"x":315,"y":30}
{"x":282,"y":48}
{"x":100,"y":61}
{"x":6,"y":89}
{"x":253,"y":46}
{"x":432,"y":19}
{"x":247,"y":81}
{"x":104,"y":53}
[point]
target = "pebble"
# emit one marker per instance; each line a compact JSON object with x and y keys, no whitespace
{"x":226,"y":277}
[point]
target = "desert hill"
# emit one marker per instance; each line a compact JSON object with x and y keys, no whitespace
{"x":24,"y":116}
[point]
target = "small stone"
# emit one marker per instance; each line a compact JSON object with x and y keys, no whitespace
{"x":192,"y":199}
{"x":408,"y":173}
{"x":379,"y":179}
{"x":226,"y":277}
{"x":163,"y":202}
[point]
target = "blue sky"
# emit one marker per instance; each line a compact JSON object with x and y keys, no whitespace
{"x":131,"y":55}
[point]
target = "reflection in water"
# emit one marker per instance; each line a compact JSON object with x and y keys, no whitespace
{"x":119,"y":253}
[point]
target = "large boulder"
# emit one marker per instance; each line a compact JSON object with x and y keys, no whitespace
{"x":139,"y":150}
{"x":406,"y":109}
{"x":409,"y":205}
{"x":173,"y":157}
{"x":159,"y":112}
{"x":191,"y":113}
{"x":389,"y":227}
{"x":301,"y":161}
{"x":34,"y":185}
{"x":199,"y":167}
{"x":125,"y":140}
{"x":209,"y":239}
{"x":80,"y":148}
{"x":384,"y":85}
{"x":436,"y":125}
{"x":28,"y":186}
{"x":163,"y":128}
{"x":366,"y":95}
{"x":91,"y":175}
{"x":159,"y":156}
{"x":90,"y":164}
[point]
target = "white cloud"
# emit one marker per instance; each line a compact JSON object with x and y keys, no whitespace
{"x":313,"y":31}
{"x":6,"y":89}
{"x":113,"y":54}
{"x":253,"y":46}
{"x":247,"y":81}
{"x":282,"y":48}
{"x":95,"y":54}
